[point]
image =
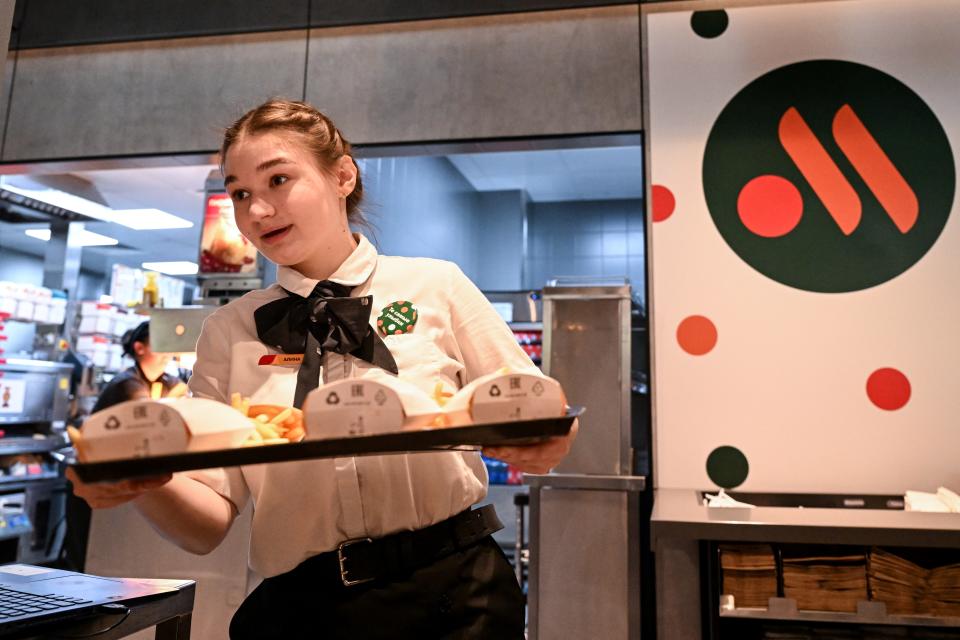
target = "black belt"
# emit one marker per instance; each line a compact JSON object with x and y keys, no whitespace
{"x":366,"y":559}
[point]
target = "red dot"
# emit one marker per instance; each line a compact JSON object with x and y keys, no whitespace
{"x":888,"y":389}
{"x":663,"y":202}
{"x":770,"y":206}
{"x":697,"y":335}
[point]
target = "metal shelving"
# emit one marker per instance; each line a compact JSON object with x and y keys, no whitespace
{"x":868,"y":612}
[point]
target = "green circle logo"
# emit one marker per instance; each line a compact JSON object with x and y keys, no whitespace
{"x":397,"y":318}
{"x":727,"y":467}
{"x":828,"y":176}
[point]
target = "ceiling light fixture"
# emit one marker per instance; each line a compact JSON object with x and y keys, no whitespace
{"x":149,"y":219}
{"x":174,"y":268}
{"x":87,"y":238}
{"x":137,"y":219}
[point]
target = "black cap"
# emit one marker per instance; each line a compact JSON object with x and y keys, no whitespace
{"x":140,"y":333}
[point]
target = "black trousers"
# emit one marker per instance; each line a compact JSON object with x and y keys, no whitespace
{"x":472,"y":593}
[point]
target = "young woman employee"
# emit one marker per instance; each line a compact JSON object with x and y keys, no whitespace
{"x":368,"y":547}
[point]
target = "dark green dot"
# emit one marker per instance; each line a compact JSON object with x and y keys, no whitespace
{"x":727,"y":467}
{"x":709,"y":24}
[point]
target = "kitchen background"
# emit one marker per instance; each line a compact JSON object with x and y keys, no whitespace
{"x":510,"y":219}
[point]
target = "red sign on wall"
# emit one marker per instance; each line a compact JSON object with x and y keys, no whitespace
{"x":222,"y":247}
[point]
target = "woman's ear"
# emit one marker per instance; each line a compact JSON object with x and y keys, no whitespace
{"x":346,"y":175}
{"x":139,"y":348}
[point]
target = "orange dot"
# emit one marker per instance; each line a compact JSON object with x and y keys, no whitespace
{"x":888,"y":389}
{"x":379,"y":323}
{"x":409,"y":328}
{"x":403,"y":309}
{"x":697,"y":335}
{"x":663,"y":202}
{"x":770,"y":206}
{"x":397,"y":332}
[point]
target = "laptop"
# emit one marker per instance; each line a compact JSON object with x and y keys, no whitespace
{"x":32,"y":595}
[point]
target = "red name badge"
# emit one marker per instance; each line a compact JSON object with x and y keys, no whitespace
{"x":281,"y":360}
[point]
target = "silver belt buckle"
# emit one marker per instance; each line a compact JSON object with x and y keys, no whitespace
{"x":341,"y":559}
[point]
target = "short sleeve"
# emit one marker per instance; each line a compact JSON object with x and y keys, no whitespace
{"x":211,"y":372}
{"x":211,"y":379}
{"x":484,"y":339}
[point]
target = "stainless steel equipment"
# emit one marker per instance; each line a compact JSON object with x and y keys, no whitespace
{"x":587,"y":348}
{"x":34,"y":397}
{"x":517,"y":306}
{"x":585,"y":518}
{"x":176,"y":330}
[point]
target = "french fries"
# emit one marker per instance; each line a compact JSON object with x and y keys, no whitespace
{"x":274,"y":424}
{"x":440,"y":396}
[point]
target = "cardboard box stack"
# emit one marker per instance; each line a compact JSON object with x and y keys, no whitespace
{"x":749,"y":573}
{"x":825,"y":578}
{"x":909,"y":588}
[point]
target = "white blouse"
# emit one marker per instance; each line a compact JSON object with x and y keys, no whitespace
{"x":308,"y":507}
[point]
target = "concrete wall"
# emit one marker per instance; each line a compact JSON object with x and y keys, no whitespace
{"x":558,"y":72}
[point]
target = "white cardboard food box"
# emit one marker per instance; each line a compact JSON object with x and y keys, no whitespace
{"x":141,"y":428}
{"x":503,"y":397}
{"x":363,"y":406}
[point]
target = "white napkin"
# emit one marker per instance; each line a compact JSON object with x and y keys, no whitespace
{"x":949,"y":498}
{"x":943,"y":501}
{"x":723,"y":500}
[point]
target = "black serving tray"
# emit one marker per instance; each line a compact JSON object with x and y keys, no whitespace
{"x":439,"y":439}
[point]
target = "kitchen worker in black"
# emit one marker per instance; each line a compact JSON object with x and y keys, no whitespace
{"x":134,"y":383}
{"x":149,"y":369}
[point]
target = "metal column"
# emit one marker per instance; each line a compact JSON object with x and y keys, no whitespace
{"x":585,"y":516}
{"x":585,"y":557}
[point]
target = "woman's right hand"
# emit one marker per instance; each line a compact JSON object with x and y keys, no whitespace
{"x":103,"y":495}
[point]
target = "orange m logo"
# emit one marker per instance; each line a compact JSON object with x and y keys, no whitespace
{"x":867,"y":157}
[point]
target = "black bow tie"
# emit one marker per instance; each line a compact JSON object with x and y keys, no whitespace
{"x":328,"y":320}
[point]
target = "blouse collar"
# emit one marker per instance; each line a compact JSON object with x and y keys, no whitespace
{"x":354,"y":271}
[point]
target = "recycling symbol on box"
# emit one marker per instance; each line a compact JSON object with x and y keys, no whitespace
{"x":494,"y":390}
{"x":333,"y":398}
{"x":112,"y":423}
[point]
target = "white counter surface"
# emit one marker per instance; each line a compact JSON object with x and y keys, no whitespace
{"x":678,"y":513}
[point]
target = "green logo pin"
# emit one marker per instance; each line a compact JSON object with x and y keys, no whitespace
{"x":397,"y":318}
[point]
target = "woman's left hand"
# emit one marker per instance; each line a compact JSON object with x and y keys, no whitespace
{"x":536,"y":458}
